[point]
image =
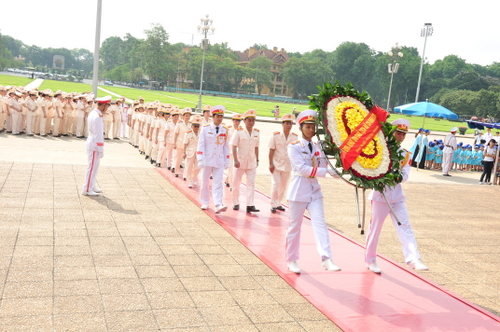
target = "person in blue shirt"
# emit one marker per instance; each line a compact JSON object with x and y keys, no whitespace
{"x":477,"y":157}
{"x":429,"y":157}
{"x":456,"y":157}
{"x":467,"y":157}
{"x":438,"y":159}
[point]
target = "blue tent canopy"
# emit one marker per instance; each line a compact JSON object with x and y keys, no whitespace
{"x":426,"y":108}
{"x":481,"y":125}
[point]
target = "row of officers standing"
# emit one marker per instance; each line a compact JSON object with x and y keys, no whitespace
{"x":168,"y":137}
{"x":56,"y":113}
{"x":173,"y":138}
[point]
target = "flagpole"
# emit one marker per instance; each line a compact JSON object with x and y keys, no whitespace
{"x":95,"y":76}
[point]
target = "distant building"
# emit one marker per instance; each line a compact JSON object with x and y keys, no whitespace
{"x":277,"y":86}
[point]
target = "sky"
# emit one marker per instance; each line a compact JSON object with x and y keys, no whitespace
{"x":470,"y":31}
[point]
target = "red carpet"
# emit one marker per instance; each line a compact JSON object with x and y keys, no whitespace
{"x":355,"y":299}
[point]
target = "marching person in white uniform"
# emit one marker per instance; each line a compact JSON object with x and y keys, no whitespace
{"x":213,"y":157}
{"x":190,"y":147}
{"x":450,"y":145}
{"x":279,"y":162}
{"x":237,"y":118}
{"x":95,"y":145}
{"x":380,"y":210}
{"x":245,"y":147}
{"x":308,"y":163}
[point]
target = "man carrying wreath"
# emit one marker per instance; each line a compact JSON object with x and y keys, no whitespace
{"x":380,"y":210}
{"x":308,"y":163}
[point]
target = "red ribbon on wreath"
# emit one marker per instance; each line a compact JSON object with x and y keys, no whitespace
{"x":359,"y":138}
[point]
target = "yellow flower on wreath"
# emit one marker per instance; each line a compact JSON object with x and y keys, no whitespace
{"x":355,"y":115}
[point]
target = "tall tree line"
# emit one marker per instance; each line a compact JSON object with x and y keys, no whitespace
{"x":467,"y":89}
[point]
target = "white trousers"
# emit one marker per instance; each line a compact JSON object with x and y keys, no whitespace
{"x":30,"y":121}
{"x":123,"y":129}
{"x":16,"y":119}
{"x":80,"y":124}
{"x":107,"y":129}
{"x":278,"y":189}
{"x":191,"y":171}
{"x":380,"y":210}
{"x":317,"y":213}
{"x":169,"y":154}
{"x":217,"y":175}
{"x":92,"y":168}
{"x":230,"y":171}
{"x":250,"y":182}
{"x":447,"y":158}
{"x":116,"y":128}
{"x":57,"y":126}
{"x":178,"y":160}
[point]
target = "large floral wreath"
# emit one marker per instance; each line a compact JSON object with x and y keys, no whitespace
{"x":345,"y":115}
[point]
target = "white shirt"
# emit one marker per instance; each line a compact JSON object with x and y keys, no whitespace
{"x":95,"y":136}
{"x":213,"y":148}
{"x":306,"y":167}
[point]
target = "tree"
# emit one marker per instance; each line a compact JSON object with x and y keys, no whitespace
{"x":302,"y":75}
{"x":468,"y":80}
{"x":111,"y":52}
{"x":353,"y":63}
{"x":155,"y":54}
{"x":261,"y":71}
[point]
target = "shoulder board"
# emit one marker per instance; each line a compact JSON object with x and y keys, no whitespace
{"x":240,"y":128}
{"x":227,"y":127}
{"x":189,"y":131}
{"x":206,"y":124}
{"x":256,"y":129}
{"x":409,"y":152}
{"x":276,"y":133}
{"x":293,"y":143}
{"x":295,"y":134}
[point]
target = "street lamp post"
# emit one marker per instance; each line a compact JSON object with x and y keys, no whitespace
{"x":205,"y":28}
{"x":393,"y":67}
{"x":426,"y":31}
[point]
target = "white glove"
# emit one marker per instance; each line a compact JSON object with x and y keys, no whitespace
{"x":332,"y":173}
{"x":200,"y":164}
{"x":100,"y":154}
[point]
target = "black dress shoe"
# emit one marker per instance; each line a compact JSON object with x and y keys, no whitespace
{"x":176,"y":175}
{"x":181,"y":166}
{"x":280,"y":208}
{"x":147,"y":157}
{"x":151,"y":161}
{"x":169,"y":168}
{"x":184,"y":179}
{"x":157,"y":165}
{"x":227,"y":184}
{"x":236,"y":207}
{"x":252,"y":209}
{"x":173,"y":170}
{"x":273,"y":210}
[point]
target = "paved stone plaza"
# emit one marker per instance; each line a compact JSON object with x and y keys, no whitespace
{"x":143,"y":257}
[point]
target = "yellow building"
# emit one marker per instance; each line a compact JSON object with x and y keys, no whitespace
{"x":277,"y":86}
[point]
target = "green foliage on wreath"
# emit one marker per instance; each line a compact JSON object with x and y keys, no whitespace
{"x":319,"y":101}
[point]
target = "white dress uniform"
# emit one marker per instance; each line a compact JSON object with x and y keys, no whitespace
{"x":170,"y":140}
{"x":16,"y":115}
{"x":2,"y":109}
{"x":304,"y":192}
{"x":180,"y":130}
{"x":58,"y":115}
{"x":282,"y":166}
{"x":213,"y":157}
{"x":32,"y":107}
{"x":108,"y":121}
{"x":450,"y":145}
{"x":117,"y":120}
{"x":163,"y":126}
{"x":80,"y":117}
{"x":380,"y":210}
{"x":95,"y":148}
{"x":190,"y":148}
{"x":245,"y":143}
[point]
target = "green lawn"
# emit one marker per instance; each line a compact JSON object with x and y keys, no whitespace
{"x":182,"y":100}
{"x":6,"y":80}
{"x":65,"y":86}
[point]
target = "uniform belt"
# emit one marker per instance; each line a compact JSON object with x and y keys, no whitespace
{"x":304,"y":176}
